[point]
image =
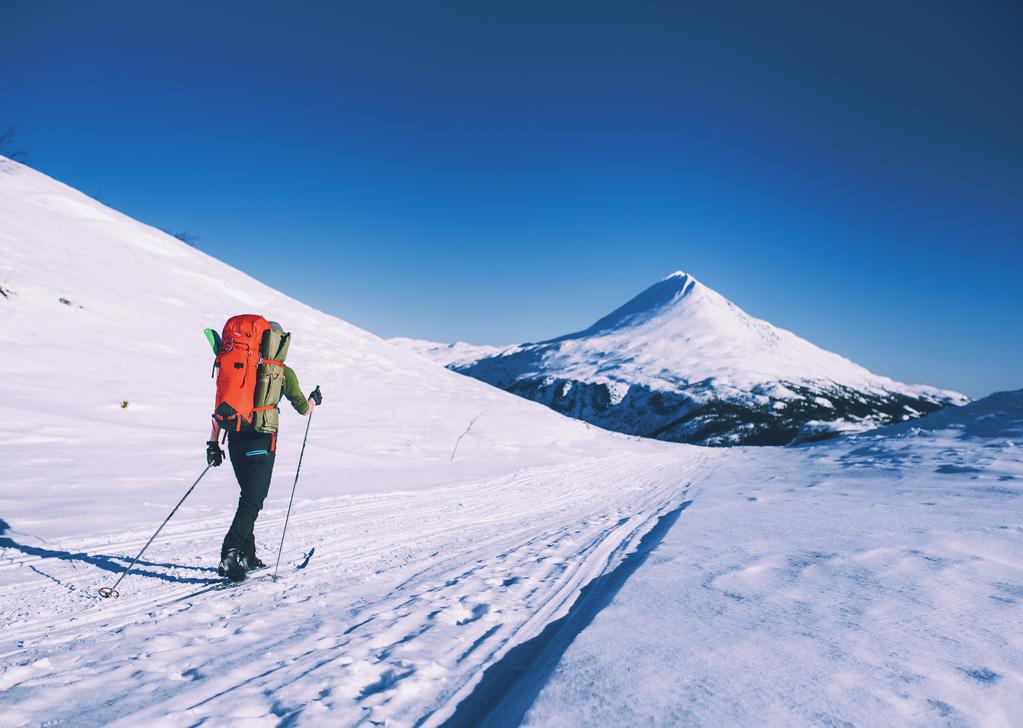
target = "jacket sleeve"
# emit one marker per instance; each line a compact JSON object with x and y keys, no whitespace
{"x":293,"y":391}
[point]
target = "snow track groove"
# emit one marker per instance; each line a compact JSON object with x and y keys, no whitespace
{"x":510,"y":685}
{"x":408,"y":599}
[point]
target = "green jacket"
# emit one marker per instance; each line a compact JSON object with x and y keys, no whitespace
{"x":293,"y":391}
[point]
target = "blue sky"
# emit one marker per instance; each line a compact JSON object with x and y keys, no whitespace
{"x":506,"y":172}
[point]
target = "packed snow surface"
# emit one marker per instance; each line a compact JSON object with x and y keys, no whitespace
{"x":876,"y":581}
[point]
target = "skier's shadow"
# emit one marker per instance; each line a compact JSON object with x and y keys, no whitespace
{"x":113,"y":564}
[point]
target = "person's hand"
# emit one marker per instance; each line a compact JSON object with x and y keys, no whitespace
{"x":214,"y":455}
{"x":315,"y":396}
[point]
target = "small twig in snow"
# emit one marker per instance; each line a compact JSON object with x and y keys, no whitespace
{"x":471,"y":423}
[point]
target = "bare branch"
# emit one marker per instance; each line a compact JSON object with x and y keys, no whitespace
{"x":7,"y":147}
{"x":471,"y":423}
{"x":184,"y":236}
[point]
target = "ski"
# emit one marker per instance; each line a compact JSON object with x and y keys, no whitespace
{"x":218,"y":585}
{"x":224,"y":583}
{"x":221,"y":584}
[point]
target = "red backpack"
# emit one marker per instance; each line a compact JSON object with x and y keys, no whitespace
{"x":236,"y":365}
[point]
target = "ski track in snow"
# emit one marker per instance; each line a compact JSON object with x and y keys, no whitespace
{"x":409,"y":597}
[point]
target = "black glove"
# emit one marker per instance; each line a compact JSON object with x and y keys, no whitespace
{"x":214,"y":455}
{"x":315,"y":396}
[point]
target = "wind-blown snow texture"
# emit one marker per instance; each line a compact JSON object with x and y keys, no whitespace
{"x":680,"y":362}
{"x":890,"y":589}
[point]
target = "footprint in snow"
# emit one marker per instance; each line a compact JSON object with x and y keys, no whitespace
{"x":982,"y":675}
{"x":388,"y":679}
{"x":459,"y":615}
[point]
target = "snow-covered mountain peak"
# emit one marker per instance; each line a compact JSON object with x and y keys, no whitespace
{"x":656,"y":300}
{"x":683,"y":326}
{"x":681,"y":361}
{"x":679,"y":308}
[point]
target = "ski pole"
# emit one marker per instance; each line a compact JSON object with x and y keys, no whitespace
{"x":293,"y":486}
{"x":111,"y":591}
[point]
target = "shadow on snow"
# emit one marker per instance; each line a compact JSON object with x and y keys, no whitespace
{"x":113,"y":564}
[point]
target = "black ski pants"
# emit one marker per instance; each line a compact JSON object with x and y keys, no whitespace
{"x":252,"y":457}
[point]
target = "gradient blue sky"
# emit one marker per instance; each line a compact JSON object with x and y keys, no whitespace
{"x":506,"y":172}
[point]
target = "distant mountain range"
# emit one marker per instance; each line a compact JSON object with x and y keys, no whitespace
{"x":681,"y":362}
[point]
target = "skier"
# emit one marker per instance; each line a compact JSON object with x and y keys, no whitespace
{"x":252,"y":439}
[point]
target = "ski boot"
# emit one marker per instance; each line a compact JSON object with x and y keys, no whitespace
{"x":252,"y":563}
{"x":233,"y":565}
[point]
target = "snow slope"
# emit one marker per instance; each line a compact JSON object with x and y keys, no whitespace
{"x":681,"y":362}
{"x":875,"y":581}
{"x":453,"y":355}
{"x":604,"y":579}
{"x":131,"y":331}
{"x":412,"y":473}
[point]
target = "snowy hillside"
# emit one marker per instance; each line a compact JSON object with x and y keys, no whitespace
{"x":100,"y":309}
{"x":106,"y":413}
{"x":680,"y":362}
{"x":449,"y":355}
{"x":456,"y":554}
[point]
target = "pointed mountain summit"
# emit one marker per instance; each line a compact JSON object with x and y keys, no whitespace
{"x":681,"y":362}
{"x":664,"y":294}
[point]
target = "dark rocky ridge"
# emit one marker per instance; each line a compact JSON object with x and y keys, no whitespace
{"x":698,"y":414}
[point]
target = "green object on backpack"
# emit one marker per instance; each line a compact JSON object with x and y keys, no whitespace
{"x":214,"y":338}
